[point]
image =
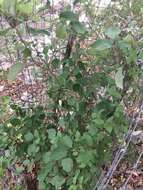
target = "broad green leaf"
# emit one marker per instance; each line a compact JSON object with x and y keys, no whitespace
{"x":59,"y":153}
{"x":119,"y":78}
{"x":6,"y":100}
{"x":57,"y":181}
{"x":28,"y":137}
{"x":52,"y":135}
{"x":25,"y":9}
{"x":27,"y":52}
{"x":61,"y":122}
{"x":109,"y":124}
{"x":99,"y":122}
{"x":36,"y":31}
{"x":26,"y":162}
{"x":61,"y":31}
{"x":32,"y":149}
{"x":46,"y":157}
{"x":14,"y":71}
{"x":69,"y":15}
{"x":84,"y":158}
{"x":92,"y":51}
{"x":86,"y":138}
{"x":124,"y":45}
{"x":43,"y":173}
{"x":113,"y":32}
{"x":67,"y":141}
{"x":129,"y":39}
{"x":102,"y":44}
{"x":79,"y":27}
{"x":67,"y":164}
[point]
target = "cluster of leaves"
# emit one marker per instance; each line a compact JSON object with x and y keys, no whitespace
{"x":17,"y":8}
{"x":70,"y":151}
{"x":72,"y":140}
{"x":75,"y":135}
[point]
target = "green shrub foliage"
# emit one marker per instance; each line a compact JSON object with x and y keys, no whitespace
{"x":73,"y":136}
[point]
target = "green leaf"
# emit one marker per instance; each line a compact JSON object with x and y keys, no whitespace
{"x":99,"y":122}
{"x":84,"y":158}
{"x":27,"y":52}
{"x":59,"y":153}
{"x":119,"y":78}
{"x":86,"y":138}
{"x":35,"y":31}
{"x":32,"y":149}
{"x":43,"y":173}
{"x":57,"y":181}
{"x":1,"y":172}
{"x":124,"y":45}
{"x":9,"y":7}
{"x":79,"y":27}
{"x":67,"y":164}
{"x":102,"y":44}
{"x":46,"y":157}
{"x":14,"y":71}
{"x":51,"y":133}
{"x":109,"y":124}
{"x":6,"y":100}
{"x":67,"y":141}
{"x":61,"y":31}
{"x":69,"y":15}
{"x":92,"y":51}
{"x":113,"y":32}
{"x":28,"y":137}
{"x":25,"y":9}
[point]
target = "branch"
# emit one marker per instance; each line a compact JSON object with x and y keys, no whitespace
{"x":69,"y":46}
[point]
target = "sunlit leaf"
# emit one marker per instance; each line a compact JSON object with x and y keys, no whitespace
{"x":67,"y":164}
{"x":61,"y":31}
{"x":67,"y":141}
{"x":119,"y":78}
{"x":28,"y":137}
{"x":25,"y":9}
{"x":113,"y":32}
{"x":1,"y":2}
